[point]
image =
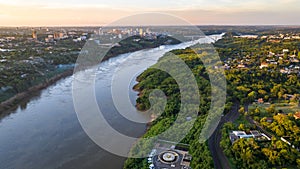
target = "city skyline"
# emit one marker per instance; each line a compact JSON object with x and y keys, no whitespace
{"x":198,"y":12}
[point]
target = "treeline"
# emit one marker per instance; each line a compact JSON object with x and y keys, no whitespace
{"x":135,"y":43}
{"x":156,"y":79}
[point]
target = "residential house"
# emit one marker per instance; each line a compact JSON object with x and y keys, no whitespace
{"x":297,"y":115}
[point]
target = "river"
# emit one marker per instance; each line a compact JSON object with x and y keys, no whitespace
{"x":44,"y":131}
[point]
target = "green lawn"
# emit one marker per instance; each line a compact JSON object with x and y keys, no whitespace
{"x":285,"y":107}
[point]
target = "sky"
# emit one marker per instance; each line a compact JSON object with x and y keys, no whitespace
{"x":103,"y":12}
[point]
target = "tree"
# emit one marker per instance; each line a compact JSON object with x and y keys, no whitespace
{"x":271,"y":109}
{"x":242,"y":110}
{"x":252,"y":96}
{"x":298,"y":162}
{"x":242,"y":127}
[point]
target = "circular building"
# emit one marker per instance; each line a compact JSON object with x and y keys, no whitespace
{"x":168,"y":157}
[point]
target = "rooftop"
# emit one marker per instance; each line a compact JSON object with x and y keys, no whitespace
{"x":297,"y":115}
{"x":169,"y":155}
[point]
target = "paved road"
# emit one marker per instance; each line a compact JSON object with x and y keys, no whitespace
{"x":220,"y":160}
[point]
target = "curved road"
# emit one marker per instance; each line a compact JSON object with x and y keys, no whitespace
{"x":220,"y":159}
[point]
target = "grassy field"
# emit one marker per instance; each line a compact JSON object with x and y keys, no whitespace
{"x":285,"y":107}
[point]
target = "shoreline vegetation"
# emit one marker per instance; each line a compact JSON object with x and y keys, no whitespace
{"x":126,"y":46}
{"x":152,"y":79}
{"x":139,"y":108}
{"x":15,"y":100}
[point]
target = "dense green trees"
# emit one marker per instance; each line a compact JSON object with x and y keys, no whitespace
{"x":247,"y":155}
{"x":155,"y":79}
{"x":251,"y":83}
{"x":244,"y":85}
{"x":250,"y":153}
{"x":284,"y":125}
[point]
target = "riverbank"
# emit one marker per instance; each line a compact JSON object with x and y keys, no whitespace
{"x":156,"y":79}
{"x":15,"y":100}
{"x":126,"y":46}
{"x":47,"y":120}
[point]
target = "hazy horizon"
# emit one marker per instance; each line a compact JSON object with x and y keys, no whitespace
{"x":37,"y":13}
{"x":83,"y":26}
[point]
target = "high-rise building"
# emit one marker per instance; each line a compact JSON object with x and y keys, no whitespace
{"x":120,"y":36}
{"x":34,"y":34}
{"x":58,"y":35}
{"x":141,"y":32}
{"x":61,"y":35}
{"x":148,"y":30}
{"x":100,"y":31}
